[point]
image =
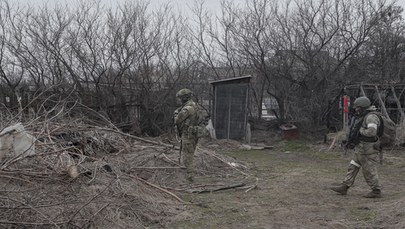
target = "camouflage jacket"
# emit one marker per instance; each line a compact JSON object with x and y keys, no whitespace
{"x":185,"y":117}
{"x":368,"y":131}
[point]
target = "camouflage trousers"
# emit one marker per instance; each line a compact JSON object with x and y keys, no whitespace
{"x":366,"y":158}
{"x":188,"y":145}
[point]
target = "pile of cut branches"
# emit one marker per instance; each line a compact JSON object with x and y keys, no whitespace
{"x":83,"y":175}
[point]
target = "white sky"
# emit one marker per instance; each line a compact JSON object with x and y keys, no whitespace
{"x":213,"y":5}
{"x":182,"y":4}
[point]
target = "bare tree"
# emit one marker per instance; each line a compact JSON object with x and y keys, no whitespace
{"x":385,"y":46}
{"x":128,"y":62}
{"x":11,"y":69}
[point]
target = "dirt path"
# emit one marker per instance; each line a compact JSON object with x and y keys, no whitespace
{"x":293,"y":192}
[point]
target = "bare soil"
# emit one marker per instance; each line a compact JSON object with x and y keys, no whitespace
{"x":293,"y":192}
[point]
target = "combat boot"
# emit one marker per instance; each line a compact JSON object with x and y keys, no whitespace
{"x":341,"y":189}
{"x":376,"y":193}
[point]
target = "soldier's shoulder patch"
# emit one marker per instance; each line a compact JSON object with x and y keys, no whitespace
{"x":372,"y":118}
{"x":189,"y":108}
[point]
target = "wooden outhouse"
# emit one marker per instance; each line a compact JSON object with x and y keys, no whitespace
{"x":230,"y":107}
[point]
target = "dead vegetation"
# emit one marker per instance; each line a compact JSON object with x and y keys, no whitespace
{"x":82,"y":176}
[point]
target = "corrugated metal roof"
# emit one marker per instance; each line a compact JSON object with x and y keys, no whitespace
{"x":231,"y":79}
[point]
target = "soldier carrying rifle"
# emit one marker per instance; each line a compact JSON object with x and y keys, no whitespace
{"x":364,"y":139}
{"x":190,"y":121}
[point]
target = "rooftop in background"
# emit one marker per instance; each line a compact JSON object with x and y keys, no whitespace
{"x":231,"y":79}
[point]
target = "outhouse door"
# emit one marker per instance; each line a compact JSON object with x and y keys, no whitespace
{"x":231,"y":111}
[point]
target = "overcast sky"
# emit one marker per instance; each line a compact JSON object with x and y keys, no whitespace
{"x":182,"y":4}
{"x":213,"y":5}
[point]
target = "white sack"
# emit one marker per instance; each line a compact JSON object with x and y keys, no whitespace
{"x":211,"y":130}
{"x":15,"y":142}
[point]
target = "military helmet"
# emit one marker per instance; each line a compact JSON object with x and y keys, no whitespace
{"x":183,"y":92}
{"x":362,"y":102}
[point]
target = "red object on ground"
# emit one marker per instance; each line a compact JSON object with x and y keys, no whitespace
{"x":289,"y":132}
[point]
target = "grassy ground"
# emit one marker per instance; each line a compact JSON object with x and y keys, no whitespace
{"x":293,"y":192}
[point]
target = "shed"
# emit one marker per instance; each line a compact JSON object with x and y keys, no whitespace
{"x":230,"y":107}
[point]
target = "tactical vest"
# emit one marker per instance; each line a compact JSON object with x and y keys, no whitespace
{"x":191,"y":120}
{"x":386,"y":131}
{"x":364,"y":125}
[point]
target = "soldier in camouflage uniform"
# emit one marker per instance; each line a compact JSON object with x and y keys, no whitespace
{"x":366,"y":150}
{"x":185,"y":118}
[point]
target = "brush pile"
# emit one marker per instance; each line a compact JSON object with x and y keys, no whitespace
{"x":76,"y":175}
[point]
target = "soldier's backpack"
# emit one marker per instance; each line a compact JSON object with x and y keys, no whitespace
{"x":202,"y":115}
{"x":202,"y":121}
{"x":387,"y":130}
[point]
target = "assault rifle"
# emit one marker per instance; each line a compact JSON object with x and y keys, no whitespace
{"x":178,"y":133}
{"x":353,"y":138}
